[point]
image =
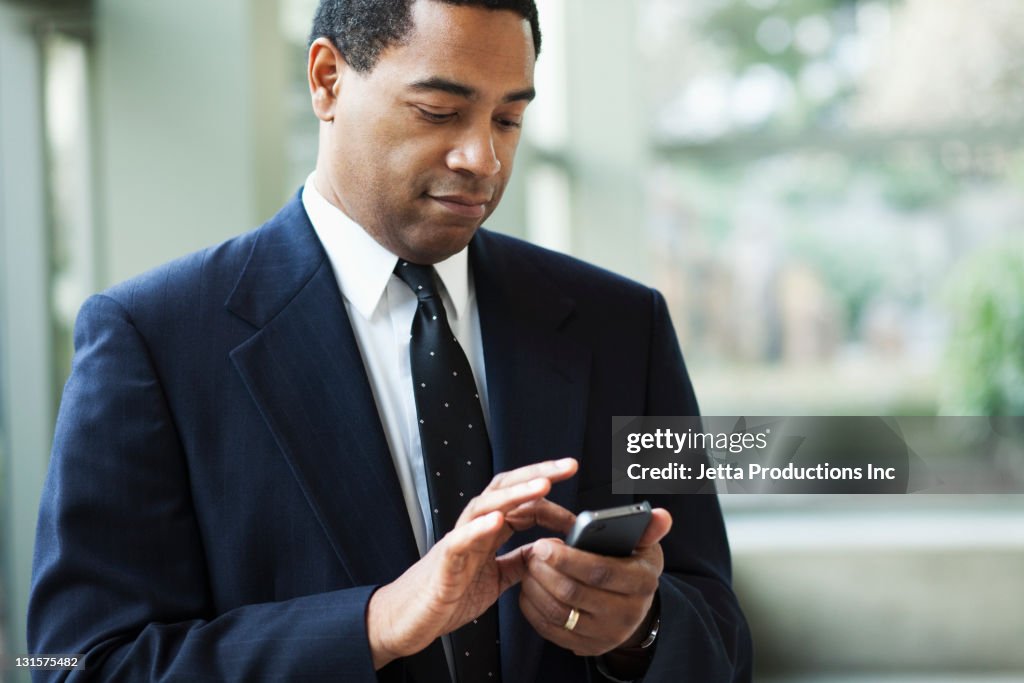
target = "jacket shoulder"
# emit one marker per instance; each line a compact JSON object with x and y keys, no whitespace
{"x":564,"y":275}
{"x":209,"y":275}
{"x":211,"y":270}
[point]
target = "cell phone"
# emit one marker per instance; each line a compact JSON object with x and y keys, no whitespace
{"x":612,"y":531}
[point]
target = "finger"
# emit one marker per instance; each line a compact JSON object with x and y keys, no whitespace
{"x":552,"y":470}
{"x":503,"y":537}
{"x":624,"y":575}
{"x":542,"y":512}
{"x":533,"y":513}
{"x":551,"y":611}
{"x":504,"y":499}
{"x":607,"y":619}
{"x":465,"y":547}
{"x":455,"y":560}
{"x":569,"y":590}
{"x":548,"y":617}
{"x":657,"y":528}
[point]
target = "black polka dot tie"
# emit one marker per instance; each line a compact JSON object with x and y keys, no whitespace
{"x":456,"y":452}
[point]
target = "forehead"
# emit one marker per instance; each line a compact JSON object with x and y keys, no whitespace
{"x":489,"y":49}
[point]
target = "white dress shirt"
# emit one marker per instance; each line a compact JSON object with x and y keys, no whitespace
{"x":381,"y":308}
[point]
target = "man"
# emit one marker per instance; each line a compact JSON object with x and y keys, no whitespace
{"x":243,"y":481}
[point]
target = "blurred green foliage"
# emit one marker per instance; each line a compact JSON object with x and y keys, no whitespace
{"x":739,"y":30}
{"x":914,"y":179}
{"x":985,"y":356}
{"x":734,"y":26}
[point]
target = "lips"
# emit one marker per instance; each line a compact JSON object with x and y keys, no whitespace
{"x":462,"y":205}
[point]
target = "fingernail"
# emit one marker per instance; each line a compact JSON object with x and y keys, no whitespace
{"x":490,"y":519}
{"x":565,"y":463}
{"x":542,"y":550}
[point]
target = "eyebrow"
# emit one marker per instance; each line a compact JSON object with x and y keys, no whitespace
{"x":465,"y":91}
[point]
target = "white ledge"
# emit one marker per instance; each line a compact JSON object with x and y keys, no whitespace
{"x":962,"y":529}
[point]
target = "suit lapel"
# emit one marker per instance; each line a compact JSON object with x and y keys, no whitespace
{"x":537,"y":381}
{"x":305,"y":373}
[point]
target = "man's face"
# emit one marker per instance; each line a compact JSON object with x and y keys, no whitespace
{"x":420,"y":148}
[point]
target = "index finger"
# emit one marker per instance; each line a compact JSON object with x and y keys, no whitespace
{"x":553,"y":470}
{"x":558,"y":562}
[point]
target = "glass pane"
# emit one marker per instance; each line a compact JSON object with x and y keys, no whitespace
{"x":69,"y":165}
{"x":838,"y":231}
{"x":4,"y":580}
{"x":302,"y":128}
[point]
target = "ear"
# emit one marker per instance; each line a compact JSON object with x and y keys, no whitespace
{"x":324,"y":72}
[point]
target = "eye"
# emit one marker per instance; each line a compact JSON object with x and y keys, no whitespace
{"x":435,"y":117}
{"x":509,"y":124}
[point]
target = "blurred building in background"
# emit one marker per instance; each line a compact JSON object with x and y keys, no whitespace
{"x":830,"y":194}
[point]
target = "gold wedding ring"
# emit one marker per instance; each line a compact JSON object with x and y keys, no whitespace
{"x":570,"y":623}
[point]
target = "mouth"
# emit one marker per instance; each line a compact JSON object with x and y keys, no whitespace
{"x":462,"y":205}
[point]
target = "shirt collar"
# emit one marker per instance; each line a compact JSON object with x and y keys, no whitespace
{"x":363,"y":267}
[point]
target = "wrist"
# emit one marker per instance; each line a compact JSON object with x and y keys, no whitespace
{"x":629,"y":661}
{"x":643,"y":637}
{"x":378,"y":629}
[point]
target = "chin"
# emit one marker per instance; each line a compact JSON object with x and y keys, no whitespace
{"x":436,"y":243}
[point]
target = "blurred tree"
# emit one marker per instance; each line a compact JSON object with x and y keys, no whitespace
{"x":765,"y":32}
{"x":986,"y":345}
{"x":801,"y":40}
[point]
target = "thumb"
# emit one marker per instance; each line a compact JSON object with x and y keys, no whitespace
{"x":512,"y":566}
{"x":657,"y":528}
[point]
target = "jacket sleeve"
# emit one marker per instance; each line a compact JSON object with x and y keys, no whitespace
{"x":119,"y":572}
{"x":703,"y":634}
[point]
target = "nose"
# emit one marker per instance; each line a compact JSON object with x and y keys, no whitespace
{"x":474,"y":153}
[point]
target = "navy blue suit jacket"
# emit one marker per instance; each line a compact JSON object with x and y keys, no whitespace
{"x":221,"y":502}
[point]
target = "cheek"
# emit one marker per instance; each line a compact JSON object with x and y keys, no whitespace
{"x":507,"y":151}
{"x":366,"y":129}
{"x":417,"y":161}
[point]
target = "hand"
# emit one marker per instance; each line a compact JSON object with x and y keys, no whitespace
{"x":460,"y":577}
{"x":613,"y":594}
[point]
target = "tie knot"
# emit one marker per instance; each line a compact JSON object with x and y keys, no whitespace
{"x":419,"y":278}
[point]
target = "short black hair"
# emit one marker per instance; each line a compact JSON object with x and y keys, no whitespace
{"x":362,"y":29}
